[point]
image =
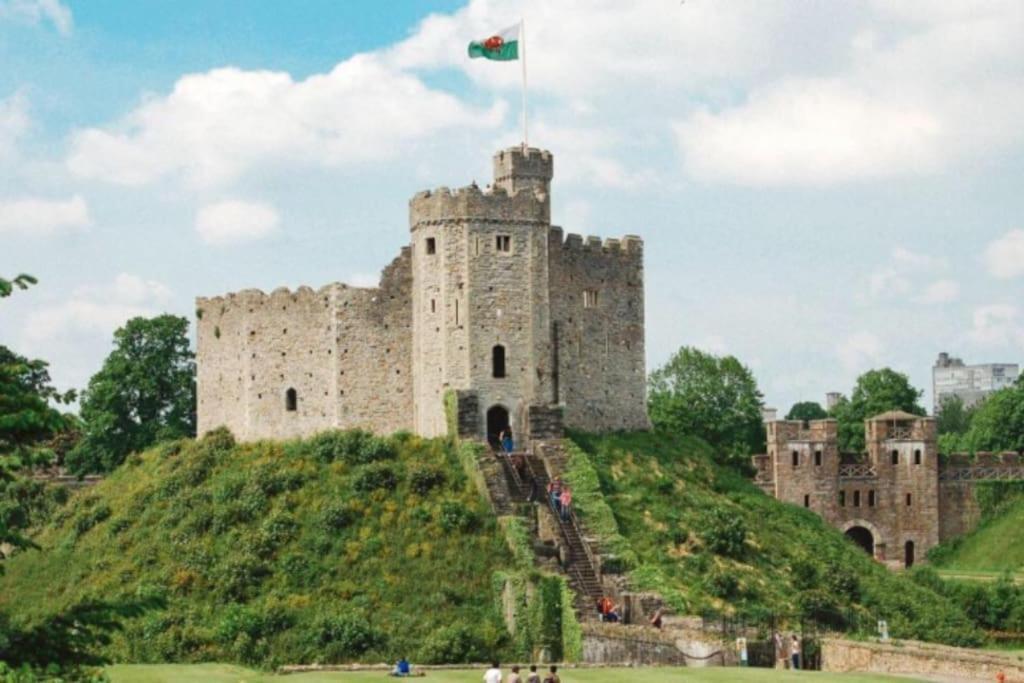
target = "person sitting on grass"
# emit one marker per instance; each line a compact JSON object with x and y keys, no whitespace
{"x":604,"y":606}
{"x":612,"y":616}
{"x":552,"y":677}
{"x":402,"y":668}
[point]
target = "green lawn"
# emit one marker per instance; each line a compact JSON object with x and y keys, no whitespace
{"x":223,"y":673}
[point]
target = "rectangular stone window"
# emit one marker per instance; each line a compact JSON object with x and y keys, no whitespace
{"x":433,"y":306}
{"x":589,"y":298}
{"x":856,"y":499}
{"x":817,"y":458}
{"x":431,"y":245}
{"x":807,"y":501}
{"x":871,"y":498}
{"x":908,"y":500}
{"x":503,"y":244}
{"x":796,"y":458}
{"x":842,"y":499}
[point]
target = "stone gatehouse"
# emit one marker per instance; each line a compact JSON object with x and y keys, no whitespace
{"x":490,"y":309}
{"x":897,"y":500}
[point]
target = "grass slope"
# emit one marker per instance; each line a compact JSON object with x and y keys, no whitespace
{"x":340,"y":547}
{"x":997,"y":545}
{"x":705,"y":537}
{"x":214,"y":673}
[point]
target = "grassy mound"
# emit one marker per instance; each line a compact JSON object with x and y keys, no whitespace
{"x":705,"y":537}
{"x":997,"y":545}
{"x":341,"y":547}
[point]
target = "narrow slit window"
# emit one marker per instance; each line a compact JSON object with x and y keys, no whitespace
{"x":807,"y":500}
{"x":895,"y":457}
{"x":796,"y":458}
{"x":433,"y":306}
{"x":871,"y":498}
{"x":909,"y":500}
{"x":842,"y":499}
{"x":291,"y":400}
{"x":498,"y":361}
{"x":589,"y":298}
{"x":917,"y":456}
{"x":817,"y":458}
{"x":503,"y":243}
{"x":456,"y":311}
{"x":856,"y":499}
{"x":431,"y":245}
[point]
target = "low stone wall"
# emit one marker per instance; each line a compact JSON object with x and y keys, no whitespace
{"x":911,"y":657}
{"x":632,"y":645}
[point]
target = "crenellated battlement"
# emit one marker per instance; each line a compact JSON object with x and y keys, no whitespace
{"x":628,"y":244}
{"x":470,"y":203}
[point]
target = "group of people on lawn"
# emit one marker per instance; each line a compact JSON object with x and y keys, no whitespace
{"x":493,"y":675}
{"x":787,"y":658}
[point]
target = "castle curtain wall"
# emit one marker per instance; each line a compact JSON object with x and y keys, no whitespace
{"x":597,"y":311}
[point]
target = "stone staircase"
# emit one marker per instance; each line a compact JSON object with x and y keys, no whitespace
{"x":578,"y":561}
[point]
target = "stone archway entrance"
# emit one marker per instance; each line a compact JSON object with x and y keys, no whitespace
{"x":497,"y":422}
{"x":862,"y":537}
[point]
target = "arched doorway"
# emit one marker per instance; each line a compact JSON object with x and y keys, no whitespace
{"x":908,"y":554}
{"x":863,"y":538}
{"x":497,"y":422}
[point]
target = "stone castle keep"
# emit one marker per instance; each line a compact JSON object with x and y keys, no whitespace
{"x":490,"y":310}
{"x":896,"y":501}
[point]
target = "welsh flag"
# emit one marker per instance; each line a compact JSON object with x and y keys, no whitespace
{"x":503,"y":46}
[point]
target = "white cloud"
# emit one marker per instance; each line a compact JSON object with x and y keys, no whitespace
{"x":34,"y":216}
{"x":898,"y":276}
{"x":36,"y":11}
{"x":1005,"y":256}
{"x":234,"y":222}
{"x":906,"y":102}
{"x":940,"y":292}
{"x":14,"y":122}
{"x":859,"y":350}
{"x":809,"y":132}
{"x":75,"y":334}
{"x":217,"y":125}
{"x":997,"y":325}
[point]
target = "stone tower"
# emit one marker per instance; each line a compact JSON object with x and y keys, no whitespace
{"x":490,"y":318}
{"x":481,"y":311}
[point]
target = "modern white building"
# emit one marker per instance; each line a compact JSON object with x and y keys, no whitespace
{"x":972,"y":383}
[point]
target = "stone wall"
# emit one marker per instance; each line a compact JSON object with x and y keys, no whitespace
{"x":344,"y":351}
{"x":597,"y":317}
{"x":910,"y":657}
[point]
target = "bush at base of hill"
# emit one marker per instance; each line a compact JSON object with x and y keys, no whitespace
{"x":338,"y":548}
{"x":706,"y":538}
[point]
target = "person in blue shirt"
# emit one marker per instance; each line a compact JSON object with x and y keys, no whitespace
{"x":506,"y":441}
{"x":402,"y":668}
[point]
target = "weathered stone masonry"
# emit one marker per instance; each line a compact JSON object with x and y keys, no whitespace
{"x":897,"y":500}
{"x":489,"y":301}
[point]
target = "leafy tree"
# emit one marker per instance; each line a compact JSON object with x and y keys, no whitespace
{"x":998,"y":423}
{"x":876,"y":391}
{"x":715,"y":398}
{"x":145,"y":392}
{"x":953,"y":417}
{"x":807,"y":410}
{"x":22,"y":281}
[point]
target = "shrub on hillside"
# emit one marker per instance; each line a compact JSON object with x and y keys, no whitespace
{"x":336,"y":516}
{"x":424,"y":478}
{"x":343,"y":637}
{"x":355,"y":447}
{"x":457,"y":517}
{"x":375,"y":476}
{"x":455,"y":644}
{"x":724,"y":533}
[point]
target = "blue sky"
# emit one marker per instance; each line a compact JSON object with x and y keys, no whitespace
{"x":823,"y":188}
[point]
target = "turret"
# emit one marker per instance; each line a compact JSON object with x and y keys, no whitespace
{"x":517,"y":168}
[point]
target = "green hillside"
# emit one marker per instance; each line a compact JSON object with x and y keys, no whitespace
{"x":350,"y":547}
{"x":997,"y":545}
{"x":705,"y":537}
{"x":340,"y":547}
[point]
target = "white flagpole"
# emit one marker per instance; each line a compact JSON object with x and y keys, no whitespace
{"x":522,"y":58}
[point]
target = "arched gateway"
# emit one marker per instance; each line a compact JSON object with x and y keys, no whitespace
{"x":862,"y":537}
{"x":497,"y":422}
